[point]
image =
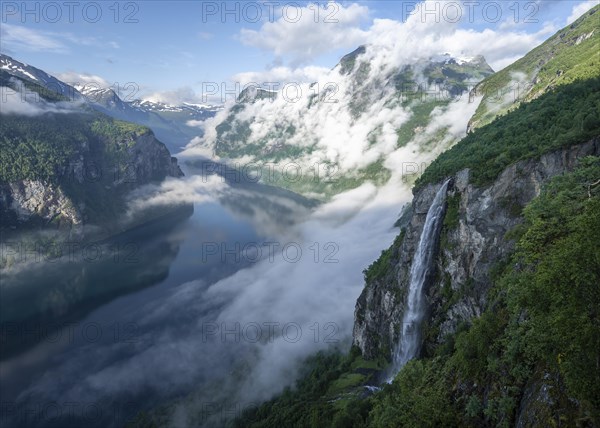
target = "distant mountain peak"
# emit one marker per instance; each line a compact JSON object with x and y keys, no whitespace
{"x":158,"y":106}
{"x":365,"y":115}
{"x":254,"y":93}
{"x":27,"y":72}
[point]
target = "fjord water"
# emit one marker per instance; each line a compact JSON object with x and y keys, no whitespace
{"x":71,"y":369}
{"x":170,"y":345}
{"x":410,"y":339}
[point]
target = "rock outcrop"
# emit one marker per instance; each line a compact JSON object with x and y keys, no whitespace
{"x":90,"y":174}
{"x":474,"y":240}
{"x":33,"y":198}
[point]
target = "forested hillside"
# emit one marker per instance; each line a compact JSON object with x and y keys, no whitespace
{"x":532,"y":357}
{"x":62,"y":163}
{"x":563,"y":117}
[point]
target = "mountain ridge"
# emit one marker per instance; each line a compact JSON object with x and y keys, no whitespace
{"x":511,"y":334}
{"x":67,"y":168}
{"x":572,"y":53}
{"x":377,"y":113}
{"x":169,"y":123}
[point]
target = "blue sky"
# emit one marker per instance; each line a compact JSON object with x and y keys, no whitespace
{"x":176,"y":46}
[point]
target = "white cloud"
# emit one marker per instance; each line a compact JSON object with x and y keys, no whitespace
{"x":205,"y":35}
{"x":28,"y":103}
{"x":452,"y":118}
{"x":331,"y":129}
{"x":300,"y":42}
{"x":15,"y":37}
{"x":195,"y":123}
{"x":580,"y":9}
{"x":184,"y":94}
{"x":195,"y":151}
{"x":281,"y":75}
{"x":334,"y":26}
{"x":304,"y":292}
{"x":194,"y":189}
{"x":171,"y":352}
{"x":519,"y":83}
{"x":82,"y":40}
{"x":78,"y":80}
{"x":500,"y":48}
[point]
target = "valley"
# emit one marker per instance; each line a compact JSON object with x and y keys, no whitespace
{"x":405,"y":237}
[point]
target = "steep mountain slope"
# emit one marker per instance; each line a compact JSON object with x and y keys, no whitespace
{"x":107,"y":101}
{"x":572,"y":53}
{"x":511,"y":336}
{"x":487,"y":344}
{"x":169,"y":123}
{"x":172,"y":122}
{"x":474,"y":239}
{"x":186,"y":111}
{"x":343,"y":129}
{"x":29,"y":73}
{"x":562,"y":118}
{"x":62,"y":164}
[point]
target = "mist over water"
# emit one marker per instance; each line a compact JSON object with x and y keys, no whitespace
{"x":191,"y":318}
{"x":226,"y":325}
{"x":261,"y":280}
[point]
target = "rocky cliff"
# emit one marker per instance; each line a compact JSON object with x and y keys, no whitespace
{"x":65,"y":164}
{"x":92,"y":177}
{"x":475,"y":240}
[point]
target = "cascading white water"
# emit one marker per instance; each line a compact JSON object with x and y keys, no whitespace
{"x":410,"y":339}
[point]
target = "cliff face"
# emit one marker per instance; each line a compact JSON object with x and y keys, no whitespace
{"x":474,"y":240}
{"x":22,"y":200}
{"x":91,"y":175}
{"x":151,"y":160}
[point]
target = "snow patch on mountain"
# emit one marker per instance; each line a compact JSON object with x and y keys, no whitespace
{"x":28,"y":72}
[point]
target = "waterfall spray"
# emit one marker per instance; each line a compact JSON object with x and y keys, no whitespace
{"x":409,"y":343}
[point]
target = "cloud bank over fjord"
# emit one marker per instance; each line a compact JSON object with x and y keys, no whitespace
{"x":330,"y":130}
{"x":23,"y":101}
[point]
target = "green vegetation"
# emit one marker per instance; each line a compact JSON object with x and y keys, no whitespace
{"x":451,"y":218}
{"x":421,"y":111}
{"x":452,"y":212}
{"x":571,"y":54}
{"x":541,"y":331}
{"x":558,"y":283}
{"x":40,"y":148}
{"x":449,"y":78}
{"x":566,"y":116}
{"x":374,"y":172}
{"x":383,"y":265}
{"x":348,"y":61}
{"x":117,"y":129}
{"x":84,"y":153}
{"x":457,"y":78}
{"x":326,"y":396}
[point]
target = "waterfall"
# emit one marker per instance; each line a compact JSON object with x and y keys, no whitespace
{"x":410,"y":339}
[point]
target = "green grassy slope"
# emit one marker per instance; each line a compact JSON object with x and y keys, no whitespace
{"x":565,"y":116}
{"x":541,"y":330}
{"x":571,"y":54}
